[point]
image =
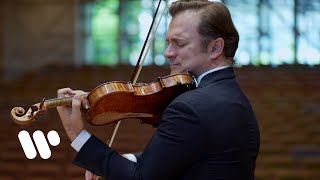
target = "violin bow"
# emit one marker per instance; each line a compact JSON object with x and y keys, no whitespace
{"x":140,"y":63}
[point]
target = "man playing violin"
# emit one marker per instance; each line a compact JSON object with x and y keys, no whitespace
{"x":207,"y":133}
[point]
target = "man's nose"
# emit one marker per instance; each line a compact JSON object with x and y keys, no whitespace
{"x":170,"y":52}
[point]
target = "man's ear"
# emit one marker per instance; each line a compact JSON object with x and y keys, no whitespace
{"x":215,"y":48}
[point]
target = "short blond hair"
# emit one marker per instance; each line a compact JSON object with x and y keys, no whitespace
{"x":215,"y":21}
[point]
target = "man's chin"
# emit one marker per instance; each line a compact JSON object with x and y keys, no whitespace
{"x":175,"y":71}
{"x":178,"y":71}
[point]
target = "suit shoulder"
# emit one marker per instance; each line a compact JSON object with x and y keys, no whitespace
{"x":194,"y":98}
{"x":214,"y":95}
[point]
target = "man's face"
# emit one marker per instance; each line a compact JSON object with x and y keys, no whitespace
{"x":183,"y":45}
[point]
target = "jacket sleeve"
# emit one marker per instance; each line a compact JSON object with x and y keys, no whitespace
{"x":177,"y":142}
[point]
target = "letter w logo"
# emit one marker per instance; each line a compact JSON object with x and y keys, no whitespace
{"x":40,"y":142}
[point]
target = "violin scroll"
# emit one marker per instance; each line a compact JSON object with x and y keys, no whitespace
{"x":22,"y":117}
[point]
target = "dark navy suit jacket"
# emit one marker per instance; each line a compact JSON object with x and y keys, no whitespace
{"x":207,"y":133}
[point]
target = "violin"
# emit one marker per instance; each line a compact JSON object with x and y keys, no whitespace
{"x":113,"y":101}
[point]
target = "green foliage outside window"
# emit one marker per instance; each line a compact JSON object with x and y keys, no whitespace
{"x":105,"y":22}
{"x":115,"y":30}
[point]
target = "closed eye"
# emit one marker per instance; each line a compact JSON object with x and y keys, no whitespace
{"x":181,"y":44}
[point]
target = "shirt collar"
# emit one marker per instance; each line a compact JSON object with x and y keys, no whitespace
{"x":210,"y":71}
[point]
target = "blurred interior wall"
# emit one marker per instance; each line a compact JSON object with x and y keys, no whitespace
{"x":1,"y":35}
{"x":36,"y":33}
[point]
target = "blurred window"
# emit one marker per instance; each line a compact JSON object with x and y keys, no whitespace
{"x":272,"y":32}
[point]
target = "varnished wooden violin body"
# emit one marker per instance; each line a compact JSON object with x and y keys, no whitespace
{"x":113,"y":101}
